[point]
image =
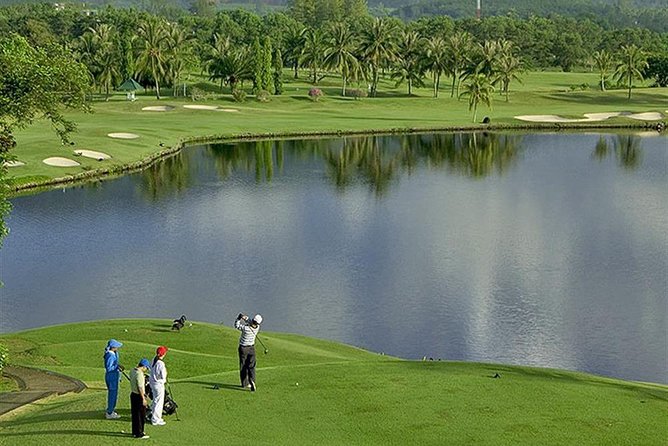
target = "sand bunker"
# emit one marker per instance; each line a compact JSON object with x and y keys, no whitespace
{"x":123,"y":135}
{"x":13,"y":163}
{"x":92,"y":154}
{"x":649,"y":116}
{"x":229,"y":110}
{"x":159,"y":108}
{"x":201,"y":107}
{"x":58,"y":161}
{"x":592,"y":117}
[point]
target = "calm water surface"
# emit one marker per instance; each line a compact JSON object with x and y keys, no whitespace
{"x":541,"y":249}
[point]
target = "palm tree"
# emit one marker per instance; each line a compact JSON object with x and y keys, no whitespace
{"x":340,"y":49}
{"x":459,"y":47}
{"x":631,"y":65}
{"x":312,"y":55}
{"x":105,"y":43}
{"x":603,"y":61}
{"x":436,"y":60}
{"x":488,"y":57}
{"x":409,"y":65}
{"x":178,"y":49}
{"x":478,"y":88}
{"x":152,"y":51}
{"x":508,"y":69}
{"x":378,"y":48}
{"x":294,"y":47}
{"x":215,"y":59}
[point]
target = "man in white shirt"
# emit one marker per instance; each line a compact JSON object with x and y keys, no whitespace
{"x":249,"y":331}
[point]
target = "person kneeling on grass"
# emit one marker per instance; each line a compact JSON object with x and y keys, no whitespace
{"x":157,"y":381}
{"x":249,"y":331}
{"x":138,"y":401}
{"x":112,"y":376}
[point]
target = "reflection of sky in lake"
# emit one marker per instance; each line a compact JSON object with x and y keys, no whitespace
{"x":560,"y":262}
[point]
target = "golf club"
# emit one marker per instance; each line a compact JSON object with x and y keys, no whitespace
{"x":266,"y":350}
{"x":176,"y":410}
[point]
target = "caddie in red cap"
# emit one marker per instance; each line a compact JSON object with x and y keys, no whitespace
{"x":157,"y":380}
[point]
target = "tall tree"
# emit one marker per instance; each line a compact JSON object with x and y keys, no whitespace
{"x":340,"y":50}
{"x":378,"y":48}
{"x":436,"y":60}
{"x":409,"y":65}
{"x":631,"y":65}
{"x":294,"y":47}
{"x":604,"y":63}
{"x":267,"y":66}
{"x":178,"y":50}
{"x":278,"y":72}
{"x":312,"y":57}
{"x":152,"y":51}
{"x":459,"y":47}
{"x":478,"y":88}
{"x":35,"y":83}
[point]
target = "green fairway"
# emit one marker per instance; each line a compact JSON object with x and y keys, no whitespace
{"x":319,"y":392}
{"x":294,"y":113}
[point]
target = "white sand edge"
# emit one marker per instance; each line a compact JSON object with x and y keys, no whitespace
{"x":158,"y":108}
{"x":591,"y":117}
{"x":58,"y":161}
{"x":92,"y":154}
{"x":123,"y":135}
{"x":228,"y":110}
{"x":14,"y":163}
{"x":201,"y":107}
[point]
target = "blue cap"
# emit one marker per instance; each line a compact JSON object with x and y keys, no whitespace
{"x":144,"y":363}
{"x":114,"y":343}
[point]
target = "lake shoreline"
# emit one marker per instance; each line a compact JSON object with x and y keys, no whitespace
{"x":120,"y":170}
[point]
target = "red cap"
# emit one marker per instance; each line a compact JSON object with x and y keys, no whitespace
{"x":161,"y":351}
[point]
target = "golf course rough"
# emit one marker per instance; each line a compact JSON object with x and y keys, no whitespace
{"x":319,"y":392}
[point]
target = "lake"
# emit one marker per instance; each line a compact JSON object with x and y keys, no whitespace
{"x":546,"y":249}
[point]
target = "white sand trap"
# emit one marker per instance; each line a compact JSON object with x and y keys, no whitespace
{"x":58,"y":161}
{"x":228,"y":110}
{"x":123,"y":135}
{"x":588,"y":117}
{"x":649,"y":116}
{"x":14,"y":163}
{"x":159,"y":108}
{"x":544,"y":118}
{"x":603,"y":116}
{"x":201,"y":107}
{"x":92,"y":154}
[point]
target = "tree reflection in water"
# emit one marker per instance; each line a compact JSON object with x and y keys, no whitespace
{"x":166,"y":177}
{"x":627,"y":150}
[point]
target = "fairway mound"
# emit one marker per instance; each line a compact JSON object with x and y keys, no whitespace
{"x":13,"y":164}
{"x":649,"y":116}
{"x":58,"y":161}
{"x":158,"y":108}
{"x":201,"y":107}
{"x":92,"y":154}
{"x":123,"y":135}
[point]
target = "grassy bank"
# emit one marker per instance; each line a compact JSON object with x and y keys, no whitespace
{"x":294,"y":113}
{"x":319,"y":392}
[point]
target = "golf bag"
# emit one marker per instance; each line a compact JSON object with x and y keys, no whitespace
{"x":168,"y":408}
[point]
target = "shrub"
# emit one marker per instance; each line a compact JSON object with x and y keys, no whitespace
{"x":315,"y":94}
{"x":4,"y":356}
{"x":263,"y":96}
{"x":239,"y":95}
{"x":356,"y":93}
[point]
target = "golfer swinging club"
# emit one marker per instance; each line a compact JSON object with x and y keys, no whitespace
{"x":249,"y":331}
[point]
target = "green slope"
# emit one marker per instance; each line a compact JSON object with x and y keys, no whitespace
{"x":344,"y":395}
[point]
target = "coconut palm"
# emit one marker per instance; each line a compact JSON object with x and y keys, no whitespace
{"x":340,"y":50}
{"x":459,"y":47}
{"x":409,"y":66}
{"x":214,"y":60}
{"x":106,"y":56}
{"x":294,"y":47}
{"x":633,"y":62}
{"x":604,"y":62}
{"x":152,"y":49}
{"x":312,"y":55}
{"x":178,"y":49}
{"x":509,"y":67}
{"x":436,"y":60}
{"x":478,"y":88}
{"x":378,"y":48}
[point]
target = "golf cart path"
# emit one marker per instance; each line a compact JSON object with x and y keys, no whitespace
{"x":35,"y":384}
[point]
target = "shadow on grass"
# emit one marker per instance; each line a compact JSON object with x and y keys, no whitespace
{"x":68,"y":432}
{"x":216,"y":386}
{"x":95,"y":415}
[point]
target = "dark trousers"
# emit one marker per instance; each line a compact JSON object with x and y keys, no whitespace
{"x":138,"y":414}
{"x":247,"y":364}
